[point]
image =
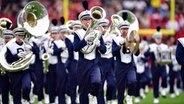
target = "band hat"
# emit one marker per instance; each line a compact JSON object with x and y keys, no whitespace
{"x":54,"y":29}
{"x":84,"y":14}
{"x":76,"y":23}
{"x":8,"y":34}
{"x":103,"y":22}
{"x":63,"y":28}
{"x":157,"y":35}
{"x":124,"y":24}
{"x":19,"y":31}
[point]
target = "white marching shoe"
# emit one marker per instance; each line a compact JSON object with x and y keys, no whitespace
{"x":142,"y":93}
{"x":92,"y":99}
{"x":112,"y":102}
{"x":156,"y":101}
{"x":163,"y":92}
{"x":40,"y":102}
{"x":25,"y":101}
{"x":172,"y":95}
{"x":33,"y":98}
{"x":46,"y":99}
{"x":129,"y":99}
{"x":137,"y":100}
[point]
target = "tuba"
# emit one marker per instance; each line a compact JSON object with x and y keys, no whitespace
{"x":132,"y":39}
{"x":96,"y":13}
{"x":34,"y":18}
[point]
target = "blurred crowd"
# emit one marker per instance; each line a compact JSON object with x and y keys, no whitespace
{"x":150,"y":13}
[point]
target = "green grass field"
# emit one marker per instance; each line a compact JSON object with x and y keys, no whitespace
{"x":149,"y":99}
{"x":178,"y":100}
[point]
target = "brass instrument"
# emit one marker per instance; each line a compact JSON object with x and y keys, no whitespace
{"x":132,"y":39}
{"x":115,"y":19}
{"x":163,"y":56}
{"x":69,"y":25}
{"x":45,"y":58}
{"x":5,"y":23}
{"x":18,"y":65}
{"x":34,"y":18}
{"x":96,"y":13}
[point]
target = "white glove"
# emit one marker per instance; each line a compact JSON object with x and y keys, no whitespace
{"x":121,"y":42}
{"x":21,"y":54}
{"x":50,"y":51}
{"x":28,"y":47}
{"x":89,"y":36}
{"x":97,"y":43}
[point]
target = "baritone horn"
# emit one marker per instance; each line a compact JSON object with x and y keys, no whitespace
{"x":96,"y":14}
{"x":132,"y":40}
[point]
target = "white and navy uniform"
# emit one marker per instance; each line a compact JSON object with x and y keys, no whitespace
{"x":67,"y":58}
{"x":180,"y":55}
{"x":106,"y":62}
{"x":140,"y":62}
{"x":4,"y":82}
{"x":21,"y":80}
{"x":157,"y":69}
{"x":56,"y":76}
{"x":71,"y":66}
{"x":125,"y":71}
{"x":88,"y":72}
{"x":37,"y":67}
{"x":174,"y":71}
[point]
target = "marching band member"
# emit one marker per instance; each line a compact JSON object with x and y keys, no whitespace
{"x":106,"y":62}
{"x":20,"y":81}
{"x":88,"y":72}
{"x":51,"y":74}
{"x":57,"y":74}
{"x":125,"y":67}
{"x":174,"y":70}
{"x":37,"y":67}
{"x":179,"y":55}
{"x":158,"y":69}
{"x":140,"y":62}
{"x":70,"y":62}
{"x":4,"y":79}
{"x":76,"y":25}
